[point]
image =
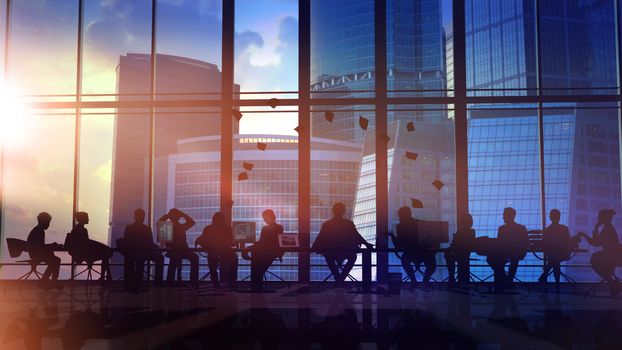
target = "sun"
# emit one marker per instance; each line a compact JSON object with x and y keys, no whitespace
{"x":14,"y":119}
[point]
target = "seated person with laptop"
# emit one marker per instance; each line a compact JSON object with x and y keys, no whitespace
{"x":415,"y":250}
{"x":263,"y":253}
{"x":44,"y":253}
{"x":339,"y":241}
{"x":138,"y":247}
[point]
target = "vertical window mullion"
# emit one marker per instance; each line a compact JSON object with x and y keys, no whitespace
{"x":460,"y":111}
{"x":382,"y":195}
{"x":304,"y":137}
{"x":226,"y":131}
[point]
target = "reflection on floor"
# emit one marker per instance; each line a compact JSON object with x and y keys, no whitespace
{"x":292,"y":317}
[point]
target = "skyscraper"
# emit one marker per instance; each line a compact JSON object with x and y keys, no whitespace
{"x":581,"y":153}
{"x":130,"y":172}
{"x":343,"y":65}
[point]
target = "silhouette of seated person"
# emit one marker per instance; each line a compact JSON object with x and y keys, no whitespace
{"x":511,"y":246}
{"x":414,"y":250}
{"x":557,"y":245}
{"x":605,"y":261}
{"x":217,"y":240}
{"x":44,"y":253}
{"x":265,"y":250}
{"x":179,"y":247}
{"x":459,"y":251}
{"x":138,"y":247}
{"x":339,"y":241}
{"x":82,"y":248}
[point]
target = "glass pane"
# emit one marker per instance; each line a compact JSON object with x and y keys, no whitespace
{"x":419,"y":50}
{"x":342,"y":48}
{"x":117,"y":37}
{"x":38,"y":176}
{"x":578,"y":46}
{"x":130,"y":169}
{"x":269,"y":182}
{"x":266,"y":47}
{"x":337,"y":150}
{"x":582,"y":172}
{"x":95,"y":175}
{"x":189,"y":46}
{"x":187,"y":167}
{"x":504,"y":171}
{"x":421,"y":159}
{"x":43,"y":42}
{"x":500,"y":47}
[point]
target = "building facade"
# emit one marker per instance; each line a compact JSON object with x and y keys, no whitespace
{"x":194,"y":180}
{"x":580,"y":143}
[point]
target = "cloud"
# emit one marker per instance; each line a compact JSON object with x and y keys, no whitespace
{"x":103,"y":172}
{"x":268,"y":60}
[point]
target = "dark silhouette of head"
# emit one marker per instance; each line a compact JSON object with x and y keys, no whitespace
{"x":404,"y":213}
{"x":218,"y":219}
{"x":268,"y":216}
{"x":139,"y":215}
{"x":43,"y":220}
{"x":82,"y":217}
{"x":174,"y":214}
{"x":339,"y":210}
{"x":509,"y":214}
{"x":606,"y":215}
{"x":555,"y":215}
{"x":466,"y":220}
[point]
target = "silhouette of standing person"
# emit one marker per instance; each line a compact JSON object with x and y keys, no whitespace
{"x":180,"y":249}
{"x":460,"y":250}
{"x":407,"y":238}
{"x":139,"y":246}
{"x":44,"y":253}
{"x":512,"y":244}
{"x":605,"y":260}
{"x":217,"y":240}
{"x":265,"y":250}
{"x":339,"y":241}
{"x":557,"y":246}
{"x":87,"y":249}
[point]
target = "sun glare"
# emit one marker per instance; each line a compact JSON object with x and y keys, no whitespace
{"x":13,"y":118}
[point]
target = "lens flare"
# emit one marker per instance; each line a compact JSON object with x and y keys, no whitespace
{"x":14,"y":119}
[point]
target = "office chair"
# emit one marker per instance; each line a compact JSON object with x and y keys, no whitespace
{"x":16,"y":248}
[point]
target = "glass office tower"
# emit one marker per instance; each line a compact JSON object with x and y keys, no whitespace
{"x":579,"y":140}
{"x":342,"y":66}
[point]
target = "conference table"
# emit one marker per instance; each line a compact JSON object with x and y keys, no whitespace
{"x":366,"y":255}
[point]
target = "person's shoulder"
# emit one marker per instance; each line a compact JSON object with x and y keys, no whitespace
{"x":36,"y":231}
{"x":467,"y":231}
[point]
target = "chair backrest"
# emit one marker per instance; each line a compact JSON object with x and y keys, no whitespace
{"x":16,"y":247}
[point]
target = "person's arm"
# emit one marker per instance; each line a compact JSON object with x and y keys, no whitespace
{"x":595,"y":239}
{"x":360,"y":239}
{"x":189,"y":221}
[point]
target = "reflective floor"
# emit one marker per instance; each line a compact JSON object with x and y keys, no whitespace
{"x":316,"y":317}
